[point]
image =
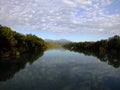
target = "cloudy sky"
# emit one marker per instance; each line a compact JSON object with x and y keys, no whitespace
{"x":76,"y":20}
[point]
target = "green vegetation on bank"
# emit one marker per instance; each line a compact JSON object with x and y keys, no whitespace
{"x":106,"y":50}
{"x":55,"y":43}
{"x":51,"y":45}
{"x":110,"y":45}
{"x":13,"y":43}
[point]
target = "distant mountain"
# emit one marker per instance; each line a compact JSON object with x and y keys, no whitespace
{"x":60,"y":41}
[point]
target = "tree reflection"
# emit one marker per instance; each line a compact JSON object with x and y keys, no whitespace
{"x":111,"y":58}
{"x":10,"y":66}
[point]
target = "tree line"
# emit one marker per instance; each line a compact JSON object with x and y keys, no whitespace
{"x":109,"y":45}
{"x":106,"y":50}
{"x":14,"y":43}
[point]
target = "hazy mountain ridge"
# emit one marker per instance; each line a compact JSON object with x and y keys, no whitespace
{"x":60,"y":41}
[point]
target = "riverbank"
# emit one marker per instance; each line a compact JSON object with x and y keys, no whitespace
{"x":14,"y":44}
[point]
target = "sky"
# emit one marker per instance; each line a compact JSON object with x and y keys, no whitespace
{"x":75,"y":20}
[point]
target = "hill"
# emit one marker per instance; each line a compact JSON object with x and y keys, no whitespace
{"x":111,"y":45}
{"x":59,"y":42}
{"x":13,"y":43}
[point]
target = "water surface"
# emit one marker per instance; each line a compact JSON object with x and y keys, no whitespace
{"x":59,"y":69}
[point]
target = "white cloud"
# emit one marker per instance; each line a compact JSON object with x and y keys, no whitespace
{"x":60,"y":15}
{"x":78,"y":3}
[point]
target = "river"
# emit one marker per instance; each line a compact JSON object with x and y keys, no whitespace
{"x":58,"y":69}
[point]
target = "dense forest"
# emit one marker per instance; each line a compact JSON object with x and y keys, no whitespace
{"x":106,"y":50}
{"x":13,"y":43}
{"x":110,"y":45}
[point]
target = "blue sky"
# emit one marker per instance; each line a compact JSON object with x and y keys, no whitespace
{"x":76,"y":20}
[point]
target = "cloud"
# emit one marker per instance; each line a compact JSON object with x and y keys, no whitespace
{"x":62,"y":16}
{"x":78,"y":3}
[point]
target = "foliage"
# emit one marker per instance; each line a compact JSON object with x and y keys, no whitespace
{"x":110,"y":45}
{"x":51,"y":44}
{"x":105,"y":50}
{"x":13,"y":43}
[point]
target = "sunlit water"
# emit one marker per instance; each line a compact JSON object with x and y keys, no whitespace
{"x":60,"y":69}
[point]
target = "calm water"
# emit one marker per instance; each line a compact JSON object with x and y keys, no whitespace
{"x":58,"y":69}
